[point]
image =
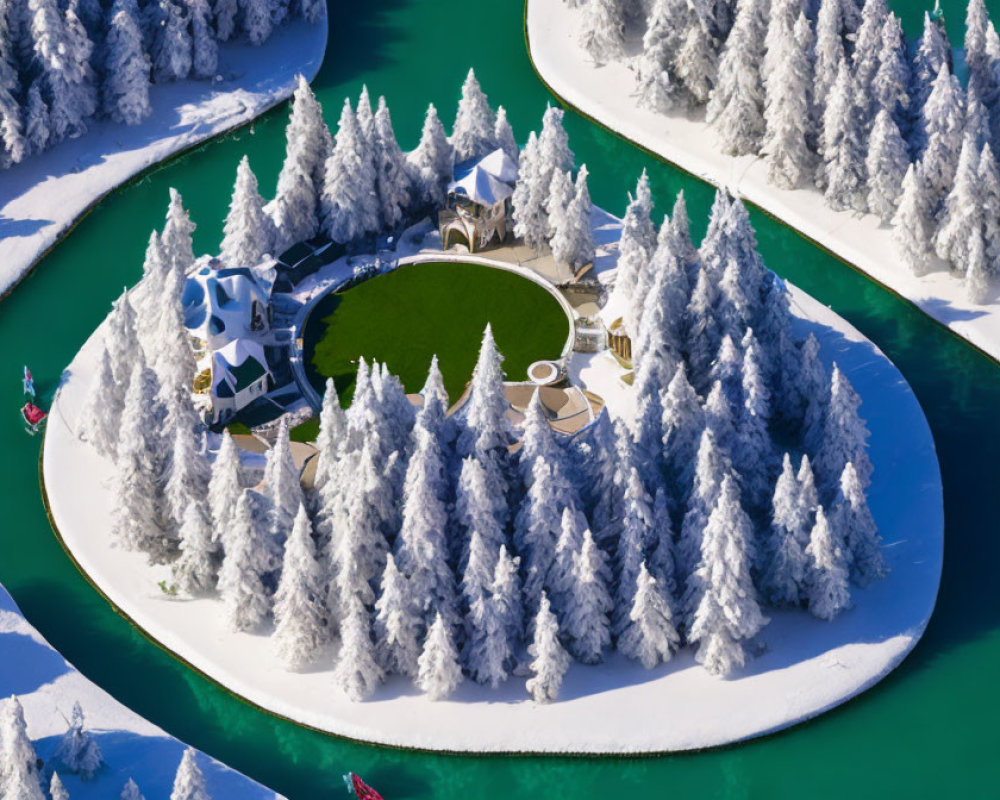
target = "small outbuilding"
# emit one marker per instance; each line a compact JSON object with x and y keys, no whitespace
{"x":477,"y":210}
{"x":239,"y":376}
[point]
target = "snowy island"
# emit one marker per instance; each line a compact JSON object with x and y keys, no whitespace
{"x":822,"y":115}
{"x":682,"y":512}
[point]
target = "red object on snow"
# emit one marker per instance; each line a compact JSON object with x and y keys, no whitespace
{"x":32,"y":414}
{"x":362,"y":790}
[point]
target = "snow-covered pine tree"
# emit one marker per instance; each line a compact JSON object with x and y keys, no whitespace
{"x":886,"y":165}
{"x":493,"y":624}
{"x":651,"y":636}
{"x":282,"y":488}
{"x":585,"y":620}
{"x":891,"y":83}
{"x":349,"y":202}
{"x":595,"y":467}
{"x":432,"y":161}
{"x":194,"y":572}
{"x":331,"y":441}
{"x":559,"y":197}
{"x":712,"y":466}
{"x":392,"y":176}
{"x":704,"y":331}
{"x":753,"y":452}
{"x":187,"y":474}
{"x":976,"y":277}
{"x":912,"y":224}
{"x":989,"y":202}
{"x":131,"y":791}
{"x":656,"y":306}
{"x":396,"y":624}
{"x":866,"y":51}
{"x":785,"y":561}
{"x":357,"y":671}
{"x":177,"y":234}
{"x":503,"y":134}
{"x":172,"y":45}
{"x":486,"y":430}
{"x":853,"y":521}
{"x":299,"y":611}
{"x":139,"y":507}
{"x":550,"y":660}
{"x":224,"y":13}
{"x":127,"y":69}
{"x":472,"y":133}
{"x":13,"y":146}
{"x":636,"y":246}
{"x":602,"y":33}
{"x":719,"y":416}
{"x":189,"y":782}
{"x":788,"y":90}
{"x":78,"y":751}
{"x":19,"y":778}
{"x":933,"y":54}
{"x":204,"y":48}
{"x":843,"y":146}
{"x":636,"y":535}
{"x":829,"y":53}
{"x":696,"y":62}
{"x":530,"y":196}
{"x":245,"y":598}
{"x":573,"y":242}
{"x":224,"y":487}
{"x":845,"y":437}
{"x":248,"y":234}
{"x":827,"y":590}
{"x":438,"y":670}
{"x":537,"y":440}
{"x":57,"y":790}
{"x":656,"y":84}
{"x":683,"y":422}
{"x":736,"y":107}
{"x":36,"y":121}
{"x":977,"y":119}
{"x":255,"y":20}
{"x":295,"y":206}
{"x":100,"y":421}
{"x":727,"y":612}
{"x":961,"y":217}
{"x":977,"y":59}
{"x":943,"y":117}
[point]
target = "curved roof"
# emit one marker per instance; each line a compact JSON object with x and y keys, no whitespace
{"x":488,"y":181}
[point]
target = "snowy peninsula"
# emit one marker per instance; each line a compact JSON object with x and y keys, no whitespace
{"x":625,"y":529}
{"x":178,"y":115}
{"x":666,"y":114}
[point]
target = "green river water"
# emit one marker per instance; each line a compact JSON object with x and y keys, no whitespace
{"x":927,"y":731}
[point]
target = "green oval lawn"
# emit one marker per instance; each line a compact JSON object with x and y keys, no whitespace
{"x":406,"y":316}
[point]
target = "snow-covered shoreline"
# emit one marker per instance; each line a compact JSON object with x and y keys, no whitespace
{"x":79,"y":172}
{"x":606,"y":93}
{"x":47,"y":686}
{"x":804,"y":668}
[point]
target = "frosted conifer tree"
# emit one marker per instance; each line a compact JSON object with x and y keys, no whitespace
{"x":977,"y":121}
{"x":472,"y":134}
{"x":989,"y":202}
{"x":736,"y":107}
{"x":712,"y":467}
{"x":224,"y":487}
{"x":19,"y":778}
{"x":131,"y":791}
{"x":829,"y":51}
{"x":585,"y":617}
{"x":194,"y":572}
{"x":349,"y":202}
{"x":651,"y":636}
{"x":573,"y":242}
{"x":635,"y":245}
{"x":933,"y":54}
{"x":549,"y":660}
{"x":13,"y":146}
{"x":294,"y":209}
{"x":101,"y":417}
{"x":204,"y":49}
{"x":332,"y":435}
{"x":912,"y":225}
{"x":596,"y":467}
{"x":562,"y":572}
{"x":78,"y":751}
{"x":537,"y":439}
{"x":357,"y":671}
{"x":827,"y":591}
{"x":188,"y":473}
{"x":976,"y":276}
{"x":753,"y":453}
{"x":786,"y":109}
{"x":172,"y":45}
{"x":503,"y":134}
{"x":851,"y":517}
{"x":961,"y":217}
{"x":438,"y":670}
{"x":845,"y":437}
{"x":785,"y":567}
{"x":704,"y":331}
{"x":530,"y":196}
{"x":176,"y":237}
{"x":477,"y":567}
{"x":282,"y":486}
{"x":248,"y":234}
{"x":891,"y":83}
{"x":943,"y":117}
{"x":683,"y":422}
{"x":636,"y":534}
{"x":391,"y":172}
{"x":63,"y":62}
{"x":126,"y":82}
{"x":224,"y":13}
{"x":256,"y":20}
{"x":57,"y":790}
{"x":560,"y":195}
{"x":865,"y":62}
{"x":696,"y":62}
{"x":655,"y":81}
{"x":432,"y":161}
{"x":299,"y":613}
{"x":244,"y":595}
{"x":36,"y":121}
{"x":486,"y":428}
{"x":727,"y":613}
{"x":977,"y":59}
{"x":494,"y":625}
{"x":396,"y":625}
{"x":602,"y":33}
{"x":842,"y":145}
{"x":189,"y":782}
{"x":886,"y":167}
{"x":719,"y":417}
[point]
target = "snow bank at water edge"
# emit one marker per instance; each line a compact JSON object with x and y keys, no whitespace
{"x":606,"y":93}
{"x":48,"y":686}
{"x":43,"y":196}
{"x":803,"y":666}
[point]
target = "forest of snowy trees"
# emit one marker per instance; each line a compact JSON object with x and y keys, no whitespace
{"x":831,"y":94}
{"x":24,"y":777}
{"x":64,"y":63}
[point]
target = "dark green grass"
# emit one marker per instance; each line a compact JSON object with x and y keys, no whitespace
{"x":407,"y":316}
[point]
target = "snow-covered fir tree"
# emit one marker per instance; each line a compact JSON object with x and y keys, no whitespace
{"x":248,"y":234}
{"x":912,"y":224}
{"x":886,"y":166}
{"x":785,"y":560}
{"x":331,"y":439}
{"x":960,"y":220}
{"x":204,"y":48}
{"x":696,"y":61}
{"x":57,"y":790}
{"x":78,"y":750}
{"x":472,"y":133}
{"x":194,"y":571}
{"x":651,"y":635}
{"x":866,"y":52}
{"x":438,"y":669}
{"x":187,"y":474}
{"x":845,"y":437}
{"x":829,"y":51}
{"x":299,"y":611}
{"x":256,"y":20}
{"x":224,"y":487}
{"x":602,"y":33}
{"x":486,"y":431}
{"x":392,"y":175}
{"x":349,"y":204}
{"x":753,"y":452}
{"x":727,"y":613}
{"x":558,"y":200}
{"x":636,"y":533}
{"x":19,"y":777}
{"x":131,"y":791}
{"x":172,"y":44}
{"x":492,"y":637}
{"x":943,"y":120}
{"x":891,"y":85}
{"x":573,"y":241}
{"x":977,"y":281}
{"x":853,"y":520}
{"x":432,"y":161}
{"x":827,"y":591}
{"x":127,"y":69}
{"x":585,"y":620}
{"x":357,"y":672}
{"x":245,"y":598}
{"x":989,"y":202}
{"x":656,"y":82}
{"x":842,"y":145}
{"x":635,"y":248}
{"x":683,"y":423}
{"x":503,"y":134}
{"x":281,"y":486}
{"x":549,"y":659}
{"x":101,"y":418}
{"x":189,"y":782}
{"x":36,"y":121}
{"x":397,"y":626}
{"x":177,"y":234}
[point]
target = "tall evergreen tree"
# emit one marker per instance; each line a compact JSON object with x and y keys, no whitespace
{"x":244,"y":596}
{"x":127,"y":69}
{"x":19,"y":778}
{"x":845,"y":437}
{"x":785,"y":561}
{"x":472,"y":133}
{"x":189,"y":782}
{"x":786,"y":109}
{"x":912,"y":224}
{"x":396,"y":625}
{"x":827,"y":592}
{"x":194,"y":571}
{"x":392,"y":176}
{"x":602,"y":33}
{"x":249,"y":232}
{"x":349,"y":203}
{"x":843,"y":146}
{"x":961,"y":217}
{"x":78,"y":750}
{"x":943,"y":117}
{"x":224,"y":487}
{"x":851,"y":517}
{"x":550,"y":660}
{"x":299,"y":612}
{"x":651,"y":636}
{"x":886,"y":166}
{"x":357,"y":672}
{"x":432,"y":161}
{"x":438,"y":670}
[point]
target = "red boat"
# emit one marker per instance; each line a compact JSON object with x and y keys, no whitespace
{"x":359,"y":788}
{"x":32,"y":416}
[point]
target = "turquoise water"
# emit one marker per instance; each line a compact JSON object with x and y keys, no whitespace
{"x":926,"y":731}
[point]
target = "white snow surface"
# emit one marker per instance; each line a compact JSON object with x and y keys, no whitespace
{"x":48,"y":686}
{"x":42,"y":197}
{"x":803,"y":666}
{"x":607,"y":93}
